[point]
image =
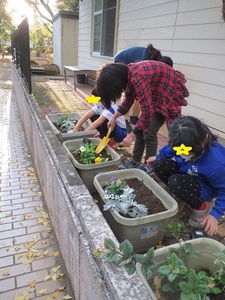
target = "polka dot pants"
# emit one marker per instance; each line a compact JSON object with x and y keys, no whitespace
{"x":184,"y":186}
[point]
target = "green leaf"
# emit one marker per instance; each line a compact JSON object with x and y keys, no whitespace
{"x":164,"y":270}
{"x":188,"y":249}
{"x":124,"y":261}
{"x":131,"y":268}
{"x":185,"y":287}
{"x":190,"y":296}
{"x":112,"y":256}
{"x":147,"y":272}
{"x":109,"y":244}
{"x":150,"y":255}
{"x":215,"y":290}
{"x":126,"y":248}
{"x":222,"y":279}
{"x":172,"y":277}
{"x":140,"y":258}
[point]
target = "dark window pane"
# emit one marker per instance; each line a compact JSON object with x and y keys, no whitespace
{"x":109,"y":3}
{"x":97,"y":33}
{"x":108,"y":32}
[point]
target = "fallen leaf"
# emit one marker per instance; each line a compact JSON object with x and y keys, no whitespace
{"x":157,"y":282}
{"x":47,"y":277}
{"x":56,"y":253}
{"x":33,"y":283}
{"x":157,"y":295}
{"x":55,"y":277}
{"x":55,"y":269}
{"x":27,"y":262}
{"x":43,"y":291}
{"x":55,"y":294}
{"x":5,"y":272}
{"x":67,"y":297}
{"x":62,"y":288}
{"x":25,"y":296}
{"x":45,"y":253}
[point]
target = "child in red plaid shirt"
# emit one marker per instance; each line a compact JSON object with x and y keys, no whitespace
{"x":160,"y":91}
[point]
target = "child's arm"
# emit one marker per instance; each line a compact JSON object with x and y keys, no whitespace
{"x":83,"y":119}
{"x":96,"y":123}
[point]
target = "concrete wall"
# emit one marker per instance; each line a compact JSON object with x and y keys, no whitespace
{"x":79,"y":225}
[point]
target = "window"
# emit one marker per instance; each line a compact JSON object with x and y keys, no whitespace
{"x":104,"y":27}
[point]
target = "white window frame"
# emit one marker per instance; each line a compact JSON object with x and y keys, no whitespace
{"x":102,"y":12}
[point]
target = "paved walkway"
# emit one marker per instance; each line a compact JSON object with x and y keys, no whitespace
{"x":30,"y":262}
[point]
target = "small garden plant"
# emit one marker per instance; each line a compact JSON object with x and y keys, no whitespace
{"x":87,"y":154}
{"x":120,"y":197}
{"x":65,"y":124}
{"x":172,"y":279}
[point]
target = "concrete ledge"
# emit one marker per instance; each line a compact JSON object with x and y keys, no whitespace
{"x":79,"y":225}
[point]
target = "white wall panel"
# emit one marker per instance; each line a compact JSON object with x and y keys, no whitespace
{"x":192,"y":32}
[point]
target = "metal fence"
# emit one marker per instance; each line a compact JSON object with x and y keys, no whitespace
{"x":20,"y":44}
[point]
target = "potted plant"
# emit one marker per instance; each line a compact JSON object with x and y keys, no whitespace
{"x":193,"y":269}
{"x":87,"y":162}
{"x":143,"y":231}
{"x":61,"y":124}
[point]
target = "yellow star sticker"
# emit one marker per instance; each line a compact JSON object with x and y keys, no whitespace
{"x":182,"y":150}
{"x":93,"y":99}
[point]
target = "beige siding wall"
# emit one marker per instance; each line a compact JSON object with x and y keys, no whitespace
{"x":85,"y":57}
{"x":192,"y":32}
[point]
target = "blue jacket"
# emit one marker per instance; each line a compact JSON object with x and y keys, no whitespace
{"x":132,"y":55}
{"x":209,"y":169}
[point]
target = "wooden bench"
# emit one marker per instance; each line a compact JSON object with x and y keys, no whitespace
{"x":77,"y":71}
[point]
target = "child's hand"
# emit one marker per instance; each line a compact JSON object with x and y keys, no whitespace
{"x":150,"y":160}
{"x":128,"y":140}
{"x":75,"y":129}
{"x":211,"y":224}
{"x":112,"y":123}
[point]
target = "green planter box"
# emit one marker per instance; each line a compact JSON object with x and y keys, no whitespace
{"x":53,"y":118}
{"x":143,"y":232}
{"x":88,"y":172}
{"x":203,"y":257}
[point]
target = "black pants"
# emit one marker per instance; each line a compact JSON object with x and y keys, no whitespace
{"x":148,"y":141}
{"x":184,"y":186}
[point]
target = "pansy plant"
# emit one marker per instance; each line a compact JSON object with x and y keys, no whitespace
{"x":87,"y":153}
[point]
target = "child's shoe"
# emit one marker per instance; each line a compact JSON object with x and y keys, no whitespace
{"x":144,"y":168}
{"x":112,"y":144}
{"x":130,"y":164}
{"x":198,"y":214}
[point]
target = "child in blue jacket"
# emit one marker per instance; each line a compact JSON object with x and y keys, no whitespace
{"x":193,"y":167}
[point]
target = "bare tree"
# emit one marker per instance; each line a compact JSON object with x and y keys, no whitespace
{"x":37,"y":4}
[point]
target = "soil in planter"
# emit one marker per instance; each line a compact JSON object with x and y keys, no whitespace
{"x":103,"y":154}
{"x":64,"y":130}
{"x":143,"y":196}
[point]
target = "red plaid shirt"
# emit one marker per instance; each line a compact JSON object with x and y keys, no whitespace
{"x":157,"y":87}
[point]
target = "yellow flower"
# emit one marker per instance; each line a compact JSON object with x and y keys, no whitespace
{"x":98,"y":160}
